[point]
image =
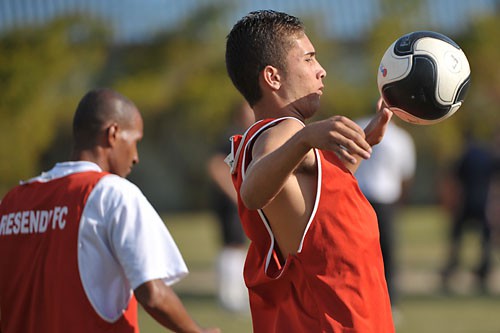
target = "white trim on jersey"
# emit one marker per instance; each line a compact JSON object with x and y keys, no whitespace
{"x":232,"y":157}
{"x":316,"y":201}
{"x":260,"y":211}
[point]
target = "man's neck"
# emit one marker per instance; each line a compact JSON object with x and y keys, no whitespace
{"x":90,"y":155}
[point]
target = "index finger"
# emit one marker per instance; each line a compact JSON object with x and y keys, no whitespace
{"x":381,"y":104}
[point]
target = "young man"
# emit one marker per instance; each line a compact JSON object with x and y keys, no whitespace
{"x":314,"y":262}
{"x":79,"y":242}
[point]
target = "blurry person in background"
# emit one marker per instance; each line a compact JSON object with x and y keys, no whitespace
{"x":231,"y":290}
{"x":493,"y":203}
{"x":385,"y":179}
{"x":81,"y":244}
{"x":470,"y":182}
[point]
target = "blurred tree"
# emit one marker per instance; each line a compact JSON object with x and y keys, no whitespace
{"x":179,"y":81}
{"x":42,"y":73}
{"x":480,"y":44}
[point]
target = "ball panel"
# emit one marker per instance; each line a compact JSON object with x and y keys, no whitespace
{"x":462,"y":90}
{"x":409,"y":118}
{"x":451,"y":66}
{"x":415,"y":92}
{"x":405,"y":44}
{"x":399,"y":67}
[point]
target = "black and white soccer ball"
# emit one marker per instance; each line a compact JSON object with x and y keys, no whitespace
{"x":423,"y":77}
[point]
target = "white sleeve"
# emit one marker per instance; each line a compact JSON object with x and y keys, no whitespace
{"x":123,"y":243}
{"x":140,"y":240}
{"x":407,"y":155}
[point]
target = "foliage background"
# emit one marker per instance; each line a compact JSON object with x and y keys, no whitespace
{"x":177,"y":78}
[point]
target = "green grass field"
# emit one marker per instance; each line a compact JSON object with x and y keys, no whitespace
{"x":424,"y":308}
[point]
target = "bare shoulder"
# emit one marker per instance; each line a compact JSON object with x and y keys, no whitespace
{"x":289,"y":128}
{"x":276,"y":135}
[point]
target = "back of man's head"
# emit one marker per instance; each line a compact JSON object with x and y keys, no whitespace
{"x":96,"y":110}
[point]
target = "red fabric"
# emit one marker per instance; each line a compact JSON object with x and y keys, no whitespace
{"x":336,"y":283}
{"x":40,"y":286}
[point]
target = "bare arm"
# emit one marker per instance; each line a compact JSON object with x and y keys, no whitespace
{"x":219,"y":172}
{"x":161,"y":303}
{"x":374,"y":131}
{"x":279,"y":151}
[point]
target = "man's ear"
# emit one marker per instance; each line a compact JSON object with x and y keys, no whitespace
{"x":112,"y":133}
{"x":271,"y":77}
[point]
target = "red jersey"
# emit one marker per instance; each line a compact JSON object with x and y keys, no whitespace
{"x":335,"y":282}
{"x":40,"y":285}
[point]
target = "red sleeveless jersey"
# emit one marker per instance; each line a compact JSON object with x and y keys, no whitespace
{"x":40,"y":285}
{"x":335,"y":282}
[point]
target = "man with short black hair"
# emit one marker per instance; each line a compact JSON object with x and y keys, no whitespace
{"x":80,"y":243}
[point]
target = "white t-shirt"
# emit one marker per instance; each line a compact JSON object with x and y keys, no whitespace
{"x":122,"y":241}
{"x":392,"y":161}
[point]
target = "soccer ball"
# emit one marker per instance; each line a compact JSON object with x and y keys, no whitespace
{"x":423,"y":77}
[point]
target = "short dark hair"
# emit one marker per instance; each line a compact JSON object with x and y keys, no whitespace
{"x":259,"y":39}
{"x":95,"y":110}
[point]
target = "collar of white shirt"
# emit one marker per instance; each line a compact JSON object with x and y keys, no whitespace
{"x":63,"y":169}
